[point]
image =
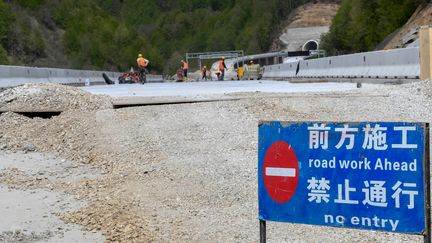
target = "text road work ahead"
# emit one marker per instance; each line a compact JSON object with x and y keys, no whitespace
{"x":364,"y":164}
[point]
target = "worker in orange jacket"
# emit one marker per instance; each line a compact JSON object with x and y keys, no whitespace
{"x":142,"y":65}
{"x":222,"y":68}
{"x":185,"y":66}
{"x":204,"y":73}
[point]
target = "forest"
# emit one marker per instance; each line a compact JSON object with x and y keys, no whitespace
{"x":360,"y":25}
{"x":108,"y":34}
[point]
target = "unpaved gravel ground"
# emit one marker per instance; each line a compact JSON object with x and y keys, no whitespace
{"x":30,"y":205}
{"x":188,"y":172}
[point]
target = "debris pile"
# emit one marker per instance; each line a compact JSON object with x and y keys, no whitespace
{"x":115,"y":222}
{"x":50,"y":97}
{"x":65,"y":134}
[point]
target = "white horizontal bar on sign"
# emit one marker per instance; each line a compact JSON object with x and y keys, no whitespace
{"x":278,"y":171}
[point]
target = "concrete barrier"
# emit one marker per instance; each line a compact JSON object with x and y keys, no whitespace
{"x":16,"y":75}
{"x":397,"y":64}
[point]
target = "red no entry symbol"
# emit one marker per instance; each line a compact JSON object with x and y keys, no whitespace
{"x":281,"y":171}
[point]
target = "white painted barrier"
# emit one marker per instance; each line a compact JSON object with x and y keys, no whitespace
{"x":17,"y":75}
{"x":390,"y":64}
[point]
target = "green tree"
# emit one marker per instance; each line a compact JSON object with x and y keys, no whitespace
{"x":31,"y":4}
{"x":109,"y":34}
{"x":6,"y":19}
{"x":360,"y":25}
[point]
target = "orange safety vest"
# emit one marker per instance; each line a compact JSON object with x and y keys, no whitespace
{"x":221,"y":65}
{"x":185,"y":66}
{"x":141,"y":62}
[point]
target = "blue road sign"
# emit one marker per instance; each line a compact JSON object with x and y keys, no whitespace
{"x":357,"y":175}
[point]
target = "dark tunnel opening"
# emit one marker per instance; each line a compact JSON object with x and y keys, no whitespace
{"x":310,"y":45}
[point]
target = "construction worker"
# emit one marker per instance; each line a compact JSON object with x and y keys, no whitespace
{"x":222,"y":68}
{"x":252,"y":71}
{"x":185,"y":66}
{"x":204,"y":73}
{"x":180,"y":74}
{"x":142,"y":66}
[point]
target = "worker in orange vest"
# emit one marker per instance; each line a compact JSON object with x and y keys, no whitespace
{"x":185,"y":69}
{"x":222,"y":68}
{"x":142,"y":65}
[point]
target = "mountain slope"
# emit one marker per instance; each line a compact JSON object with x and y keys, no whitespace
{"x":96,"y":34}
{"x":304,"y":23}
{"x":360,"y":25}
{"x":422,"y":16}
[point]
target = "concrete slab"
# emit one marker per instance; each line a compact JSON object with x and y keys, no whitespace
{"x":210,"y":88}
{"x":163,"y":93}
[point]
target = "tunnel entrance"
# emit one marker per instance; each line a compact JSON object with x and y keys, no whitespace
{"x":310,"y":45}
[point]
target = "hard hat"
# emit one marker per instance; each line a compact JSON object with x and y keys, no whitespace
{"x":140,"y":55}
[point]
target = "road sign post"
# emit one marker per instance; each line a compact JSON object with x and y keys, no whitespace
{"x":426,"y":170}
{"x":367,"y":175}
{"x":263,"y":231}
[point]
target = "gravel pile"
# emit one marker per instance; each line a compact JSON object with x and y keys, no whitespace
{"x":72,"y":134}
{"x":50,"y":97}
{"x":114,"y":221}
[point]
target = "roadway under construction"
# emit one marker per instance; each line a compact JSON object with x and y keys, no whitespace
{"x":176,"y":172}
{"x":171,"y":162}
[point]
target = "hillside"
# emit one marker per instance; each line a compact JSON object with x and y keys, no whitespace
{"x":313,"y":14}
{"x":96,"y":34}
{"x":107,"y":35}
{"x":306,"y":22}
{"x":422,"y":16}
{"x":360,"y":25}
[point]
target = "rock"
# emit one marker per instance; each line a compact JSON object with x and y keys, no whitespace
{"x":29,"y":148}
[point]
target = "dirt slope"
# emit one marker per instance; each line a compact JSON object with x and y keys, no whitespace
{"x":422,"y":16}
{"x":309,"y":15}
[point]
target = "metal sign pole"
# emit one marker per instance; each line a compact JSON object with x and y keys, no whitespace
{"x":427,"y":188}
{"x":263,"y":231}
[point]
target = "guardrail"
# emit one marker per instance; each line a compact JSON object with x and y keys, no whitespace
{"x":16,"y":75}
{"x":389,"y":65}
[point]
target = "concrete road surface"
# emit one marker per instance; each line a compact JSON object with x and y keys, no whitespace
{"x":213,"y":88}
